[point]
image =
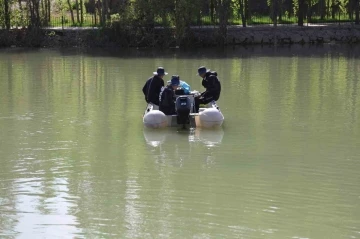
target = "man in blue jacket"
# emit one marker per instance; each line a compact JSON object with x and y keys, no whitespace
{"x":185,"y":86}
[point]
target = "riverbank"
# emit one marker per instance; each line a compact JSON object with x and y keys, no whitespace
{"x":196,"y":37}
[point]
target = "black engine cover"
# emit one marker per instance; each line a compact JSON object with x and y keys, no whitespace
{"x":183,"y":107}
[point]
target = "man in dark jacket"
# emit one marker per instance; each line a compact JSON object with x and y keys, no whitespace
{"x":212,"y":87}
{"x":153,"y":87}
{"x":167,"y":96}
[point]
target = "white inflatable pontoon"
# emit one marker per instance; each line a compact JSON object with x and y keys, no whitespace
{"x":208,"y":117}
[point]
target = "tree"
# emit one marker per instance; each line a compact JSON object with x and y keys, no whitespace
{"x":77,"y":11}
{"x":357,"y":8}
{"x":322,"y":6}
{"x":33,"y":6}
{"x":212,"y":10}
{"x":81,"y":12}
{"x":224,"y":12}
{"x":21,"y":12}
{"x":276,"y":10}
{"x":104,"y":13}
{"x":301,"y":13}
{"x":242,"y":6}
{"x":71,"y":12}
{"x":7,"y":14}
{"x":46,"y":11}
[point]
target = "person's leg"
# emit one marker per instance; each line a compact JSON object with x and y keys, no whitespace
{"x":198,"y":102}
{"x":207,"y":100}
{"x":202,"y":100}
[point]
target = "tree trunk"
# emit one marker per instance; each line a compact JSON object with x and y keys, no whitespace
{"x":49,"y":11}
{"x":7,"y":14}
{"x":103,"y":13}
{"x":107,"y":9}
{"x":247,"y":12}
{"x":350,"y":8}
{"x":357,"y":8}
{"x":274,"y":12}
{"x":37,"y":10}
{"x":334,"y":8}
{"x":95,"y":16}
{"x":71,"y":12}
{"x":34,"y":13}
{"x":77,"y":11}
{"x":99,"y":12}
{"x":309,"y":11}
{"x":322,"y":7}
{"x":280,"y":10}
{"x":29,"y":5}
{"x":242,"y":12}
{"x":198,"y":18}
{"x":224,"y":6}
{"x":280,"y":15}
{"x":81,"y":12}
{"x":179,"y":22}
{"x":301,"y":13}
{"x":43,"y":11}
{"x":212,"y":11}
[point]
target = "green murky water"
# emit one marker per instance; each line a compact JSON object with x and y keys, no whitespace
{"x":76,"y":161}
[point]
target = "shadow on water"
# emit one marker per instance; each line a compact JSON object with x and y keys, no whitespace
{"x":321,"y":50}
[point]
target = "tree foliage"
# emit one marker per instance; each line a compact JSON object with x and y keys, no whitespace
{"x":180,"y":14}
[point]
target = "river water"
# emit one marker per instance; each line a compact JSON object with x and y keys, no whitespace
{"x":76,"y":161}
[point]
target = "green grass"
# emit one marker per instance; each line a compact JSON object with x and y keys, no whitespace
{"x":88,"y":21}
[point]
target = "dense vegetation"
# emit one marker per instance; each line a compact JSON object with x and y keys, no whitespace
{"x":178,"y":13}
{"x":124,"y":18}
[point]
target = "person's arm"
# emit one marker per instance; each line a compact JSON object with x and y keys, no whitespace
{"x":211,"y":82}
{"x":159,"y":84}
{"x":144,"y":89}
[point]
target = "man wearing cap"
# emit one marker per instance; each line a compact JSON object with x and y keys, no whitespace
{"x":153,"y":87}
{"x":167,"y":96}
{"x":212,"y":87}
{"x":184,"y":86}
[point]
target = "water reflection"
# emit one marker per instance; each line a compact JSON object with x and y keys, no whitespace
{"x":177,"y":148}
{"x":155,"y":138}
{"x":209,"y":137}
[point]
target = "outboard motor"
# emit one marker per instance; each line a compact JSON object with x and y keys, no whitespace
{"x":183,"y":106}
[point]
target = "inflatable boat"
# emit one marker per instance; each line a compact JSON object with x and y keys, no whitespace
{"x":209,"y":116}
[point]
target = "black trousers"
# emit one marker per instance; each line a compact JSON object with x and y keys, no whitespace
{"x":202,"y":100}
{"x":168,"y":110}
